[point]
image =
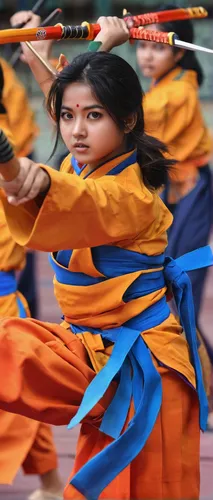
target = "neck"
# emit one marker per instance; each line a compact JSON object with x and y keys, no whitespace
{"x":117,"y":152}
{"x":157,"y":80}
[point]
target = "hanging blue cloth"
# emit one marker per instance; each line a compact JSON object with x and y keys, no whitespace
{"x":196,"y":210}
{"x":8,"y":285}
{"x":22,"y":312}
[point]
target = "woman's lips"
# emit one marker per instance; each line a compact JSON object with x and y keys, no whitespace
{"x":80,"y":147}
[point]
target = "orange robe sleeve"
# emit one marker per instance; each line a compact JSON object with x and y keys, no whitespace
{"x":5,"y":126}
{"x":20,"y":115}
{"x":45,"y":372}
{"x":173,"y":115}
{"x":12,"y":256}
{"x":78,"y":213}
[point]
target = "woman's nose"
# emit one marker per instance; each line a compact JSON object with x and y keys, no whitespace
{"x":79,"y":129}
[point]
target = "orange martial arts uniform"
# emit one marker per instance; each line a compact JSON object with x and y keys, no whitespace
{"x":23,"y":441}
{"x":46,"y":368}
{"x":173,"y":115}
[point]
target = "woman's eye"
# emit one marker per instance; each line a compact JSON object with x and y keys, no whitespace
{"x":94,"y":115}
{"x":159,"y":47}
{"x":141,"y":45}
{"x":66,"y":115}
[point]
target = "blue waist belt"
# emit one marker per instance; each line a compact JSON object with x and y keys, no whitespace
{"x":8,"y":285}
{"x":131,"y":360}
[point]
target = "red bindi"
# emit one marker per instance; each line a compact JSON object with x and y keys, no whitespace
{"x":77,"y":105}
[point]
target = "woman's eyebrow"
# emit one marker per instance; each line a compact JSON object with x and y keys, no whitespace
{"x":92,"y":106}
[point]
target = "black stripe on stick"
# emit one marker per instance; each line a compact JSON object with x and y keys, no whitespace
{"x":6,"y":150}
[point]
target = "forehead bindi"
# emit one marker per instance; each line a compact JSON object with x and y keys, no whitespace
{"x":77,"y":105}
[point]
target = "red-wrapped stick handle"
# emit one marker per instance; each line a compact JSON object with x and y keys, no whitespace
{"x":167,"y":15}
{"x":153,"y":36}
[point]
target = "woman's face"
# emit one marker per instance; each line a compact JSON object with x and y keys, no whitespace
{"x":89,"y":132}
{"x":156,"y":59}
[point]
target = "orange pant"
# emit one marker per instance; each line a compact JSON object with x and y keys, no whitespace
{"x":27,"y":443}
{"x":23,"y":441}
{"x":42,"y":456}
{"x":168,"y":466}
{"x":46,"y":371}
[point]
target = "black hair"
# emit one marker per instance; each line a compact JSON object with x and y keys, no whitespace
{"x":185,"y":30}
{"x":116,"y":86}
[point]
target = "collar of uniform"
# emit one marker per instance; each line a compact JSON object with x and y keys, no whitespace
{"x":105,"y":168}
{"x":176,"y":73}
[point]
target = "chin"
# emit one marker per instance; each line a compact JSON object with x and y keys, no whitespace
{"x":147,"y":73}
{"x":86,"y":160}
{"x":81,"y":158}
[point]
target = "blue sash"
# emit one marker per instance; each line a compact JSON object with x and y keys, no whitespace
{"x":8,"y":285}
{"x":131,"y":361}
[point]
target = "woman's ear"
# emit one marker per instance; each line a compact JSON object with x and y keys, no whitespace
{"x":130,"y":123}
{"x":179,"y":55}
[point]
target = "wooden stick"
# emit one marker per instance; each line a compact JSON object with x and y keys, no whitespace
{"x":52,"y":71}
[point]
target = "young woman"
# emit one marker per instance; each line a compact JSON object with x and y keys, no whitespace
{"x":119,"y":363}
